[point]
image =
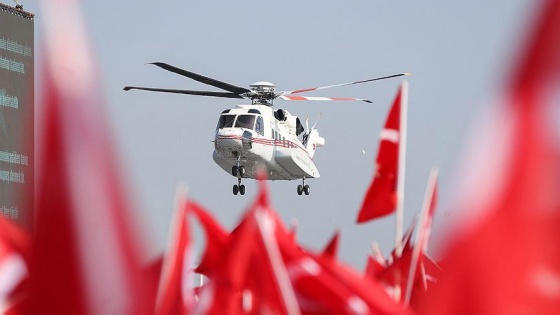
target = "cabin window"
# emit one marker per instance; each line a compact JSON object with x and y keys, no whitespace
{"x":245,"y":121}
{"x":259,"y":126}
{"x":226,"y":121}
{"x":254,"y":111}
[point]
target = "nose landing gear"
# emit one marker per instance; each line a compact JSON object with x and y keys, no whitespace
{"x":303,"y":188}
{"x":239,"y":188}
{"x":239,"y":172}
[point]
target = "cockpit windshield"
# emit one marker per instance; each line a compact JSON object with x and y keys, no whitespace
{"x":253,"y":122}
{"x":226,"y":121}
{"x":245,"y":121}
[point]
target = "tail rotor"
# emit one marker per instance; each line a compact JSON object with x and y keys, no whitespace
{"x":311,"y":139}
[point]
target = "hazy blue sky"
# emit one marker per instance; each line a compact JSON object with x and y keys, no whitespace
{"x":458,"y":54}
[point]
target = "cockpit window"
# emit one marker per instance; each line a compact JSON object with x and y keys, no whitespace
{"x":226,"y":121}
{"x":245,"y":121}
{"x":259,"y":126}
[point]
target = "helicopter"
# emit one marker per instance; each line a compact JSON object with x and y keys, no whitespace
{"x":252,"y":137}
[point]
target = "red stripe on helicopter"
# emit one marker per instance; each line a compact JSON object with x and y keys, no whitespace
{"x":279,"y":143}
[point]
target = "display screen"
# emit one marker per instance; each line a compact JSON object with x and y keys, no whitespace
{"x":16,"y":115}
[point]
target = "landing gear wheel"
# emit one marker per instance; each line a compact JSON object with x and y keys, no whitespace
{"x":238,"y":171}
{"x":236,"y":189}
{"x":242,"y":189}
{"x":303,"y":188}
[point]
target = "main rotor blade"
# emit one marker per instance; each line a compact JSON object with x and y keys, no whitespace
{"x":320,"y":98}
{"x":202,"y":79}
{"x":190,"y":92}
{"x":343,"y":84}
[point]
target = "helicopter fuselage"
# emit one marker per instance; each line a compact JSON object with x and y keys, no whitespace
{"x":258,"y":138}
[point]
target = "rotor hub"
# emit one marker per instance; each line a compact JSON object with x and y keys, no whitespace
{"x":262,"y":86}
{"x":262,"y":93}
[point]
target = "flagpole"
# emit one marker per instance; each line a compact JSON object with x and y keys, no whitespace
{"x":401,"y":169}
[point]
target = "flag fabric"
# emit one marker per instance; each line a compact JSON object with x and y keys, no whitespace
{"x":262,"y":226}
{"x":86,"y":253}
{"x":216,"y":241}
{"x":259,"y":268}
{"x":249,"y":275}
{"x":381,"y":196}
{"x":175,"y":294}
{"x":14,"y":267}
{"x":393,"y":275}
{"x":509,"y":263}
{"x":406,"y":276}
{"x":408,"y":272}
{"x":419,"y":250}
{"x":331,"y":249}
{"x":277,"y":296}
{"x":375,"y":263}
{"x":324,"y":285}
{"x":368,"y":297}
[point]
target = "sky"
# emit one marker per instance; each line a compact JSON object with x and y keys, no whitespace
{"x":459,"y":55}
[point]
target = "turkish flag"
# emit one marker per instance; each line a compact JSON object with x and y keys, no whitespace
{"x":86,"y":253}
{"x":246,"y":270}
{"x":381,"y":197}
{"x":14,"y":267}
{"x":509,"y":262}
{"x":216,"y":241}
{"x":175,"y":295}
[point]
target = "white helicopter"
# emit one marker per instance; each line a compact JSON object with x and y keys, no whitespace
{"x":253,"y":136}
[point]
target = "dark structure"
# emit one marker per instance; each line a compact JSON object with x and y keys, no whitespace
{"x":16,"y":114}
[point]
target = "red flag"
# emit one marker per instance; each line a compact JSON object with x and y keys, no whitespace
{"x":375,"y":263}
{"x":331,"y":250}
{"x":368,"y":297}
{"x":381,"y":197}
{"x":405,"y":271}
{"x":510,"y":262}
{"x":249,"y":275}
{"x":175,"y":295}
{"x":422,"y":236}
{"x":276,"y":294}
{"x":317,"y":290}
{"x":14,"y":267}
{"x":86,"y":256}
{"x":407,"y":275}
{"x":324,"y":285}
{"x":216,"y":241}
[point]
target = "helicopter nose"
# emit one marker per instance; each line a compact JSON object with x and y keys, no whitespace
{"x":233,"y":139}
